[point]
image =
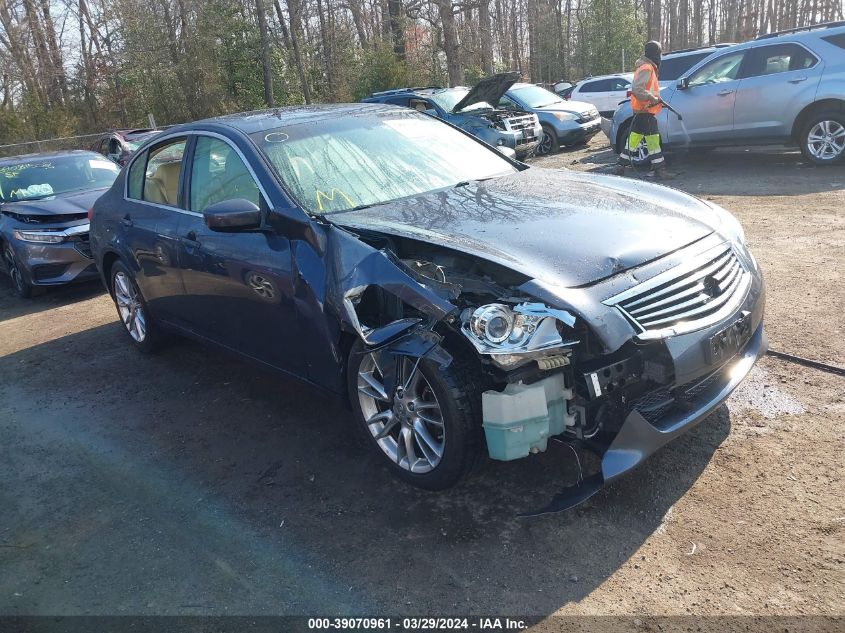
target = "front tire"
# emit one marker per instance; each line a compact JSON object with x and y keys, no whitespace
{"x":640,"y":157}
{"x":823,"y":138}
{"x":22,"y":288}
{"x":549,"y":143}
{"x":424,"y":424}
{"x":132,"y":309}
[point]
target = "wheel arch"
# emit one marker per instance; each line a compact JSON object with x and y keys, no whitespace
{"x":622,"y":134}
{"x":108,"y":260}
{"x":823,"y":105}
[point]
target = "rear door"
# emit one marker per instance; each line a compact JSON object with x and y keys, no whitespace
{"x":707,"y":104}
{"x":778,"y":81}
{"x":150,"y":223}
{"x":239,"y":285}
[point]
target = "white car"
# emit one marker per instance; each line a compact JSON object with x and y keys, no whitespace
{"x":604,"y":92}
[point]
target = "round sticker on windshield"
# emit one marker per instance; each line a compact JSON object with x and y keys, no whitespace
{"x":276,"y":137}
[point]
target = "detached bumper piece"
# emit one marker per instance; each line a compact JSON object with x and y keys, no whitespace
{"x":651,"y":424}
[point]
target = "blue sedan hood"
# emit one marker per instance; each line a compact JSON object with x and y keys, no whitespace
{"x":566,"y":228}
{"x":62,"y":204}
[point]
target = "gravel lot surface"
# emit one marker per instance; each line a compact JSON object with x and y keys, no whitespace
{"x":193,"y":483}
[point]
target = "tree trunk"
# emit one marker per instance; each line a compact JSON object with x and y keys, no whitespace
{"x":266,"y":64}
{"x":454,"y":67}
{"x":294,"y":41}
{"x":397,"y":28}
{"x":486,"y":37}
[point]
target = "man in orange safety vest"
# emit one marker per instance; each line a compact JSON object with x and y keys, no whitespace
{"x":646,"y":104}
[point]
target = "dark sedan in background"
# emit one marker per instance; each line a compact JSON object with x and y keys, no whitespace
{"x":119,"y":145}
{"x":44,"y":203}
{"x":465,"y":303}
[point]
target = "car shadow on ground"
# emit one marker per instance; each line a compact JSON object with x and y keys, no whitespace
{"x":192,"y":482}
{"x":11,"y":306}
{"x":729,"y":172}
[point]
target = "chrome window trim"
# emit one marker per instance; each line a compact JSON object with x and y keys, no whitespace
{"x":158,"y":141}
{"x":187,"y":135}
{"x":243,"y":158}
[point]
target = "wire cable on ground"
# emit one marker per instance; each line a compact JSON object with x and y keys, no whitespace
{"x":831,"y":369}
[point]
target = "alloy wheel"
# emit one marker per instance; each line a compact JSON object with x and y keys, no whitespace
{"x":545,"y":146}
{"x":129,"y":306}
{"x":405,"y":419}
{"x":826,"y":140}
{"x":13,"y":269}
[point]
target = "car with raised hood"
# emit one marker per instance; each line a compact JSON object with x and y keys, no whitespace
{"x":785,"y":88}
{"x":475,"y":110}
{"x":44,"y":203}
{"x":564,"y":122}
{"x":465,"y":303}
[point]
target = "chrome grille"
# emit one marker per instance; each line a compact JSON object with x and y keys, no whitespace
{"x":691,"y":295}
{"x":519,"y":122}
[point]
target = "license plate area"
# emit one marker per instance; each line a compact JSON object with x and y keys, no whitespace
{"x":729,"y":340}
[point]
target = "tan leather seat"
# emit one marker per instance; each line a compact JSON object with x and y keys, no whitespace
{"x":163,"y":187}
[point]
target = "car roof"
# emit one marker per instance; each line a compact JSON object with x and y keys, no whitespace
{"x":11,"y":160}
{"x":260,"y":120}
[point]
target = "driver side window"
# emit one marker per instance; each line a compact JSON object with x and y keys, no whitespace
{"x":219,"y":174}
{"x":720,"y":70}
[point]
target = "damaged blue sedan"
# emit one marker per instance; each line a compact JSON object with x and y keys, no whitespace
{"x":465,"y":303}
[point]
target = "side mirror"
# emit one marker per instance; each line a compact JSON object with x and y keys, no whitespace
{"x":507,"y":152}
{"x":683,"y":83}
{"x":232,"y":215}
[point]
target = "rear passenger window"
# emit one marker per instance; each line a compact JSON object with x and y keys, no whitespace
{"x":779,"y":58}
{"x":161,"y":179}
{"x":135,"y":181}
{"x":836,"y":40}
{"x":219,"y":174}
{"x":596,"y":86}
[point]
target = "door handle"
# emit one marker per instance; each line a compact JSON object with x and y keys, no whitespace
{"x":127,"y":220}
{"x":190,"y":239}
{"x":725,"y":93}
{"x":797,"y":80}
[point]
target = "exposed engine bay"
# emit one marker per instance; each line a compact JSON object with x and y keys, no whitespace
{"x":544,"y":371}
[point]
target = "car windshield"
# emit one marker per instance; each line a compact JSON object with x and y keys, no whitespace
{"x":674,"y":67}
{"x":338,"y":164}
{"x":37,"y":178}
{"x":536,"y":97}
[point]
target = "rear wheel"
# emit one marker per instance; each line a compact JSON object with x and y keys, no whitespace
{"x":132,"y":310}
{"x":823,"y":138}
{"x":422,"y":421}
{"x":22,"y":288}
{"x":549,"y":143}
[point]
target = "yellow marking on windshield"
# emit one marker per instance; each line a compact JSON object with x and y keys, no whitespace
{"x":330,"y":197}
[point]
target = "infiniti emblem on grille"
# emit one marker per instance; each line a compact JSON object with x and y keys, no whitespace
{"x":711,"y":286}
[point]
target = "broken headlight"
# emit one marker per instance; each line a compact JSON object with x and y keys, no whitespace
{"x":515,"y":335}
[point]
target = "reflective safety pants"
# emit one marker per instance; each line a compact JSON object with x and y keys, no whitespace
{"x":643,"y":127}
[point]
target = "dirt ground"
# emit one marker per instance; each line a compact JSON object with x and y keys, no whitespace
{"x":192,"y":483}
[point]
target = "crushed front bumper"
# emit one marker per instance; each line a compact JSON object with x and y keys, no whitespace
{"x":638,"y":438}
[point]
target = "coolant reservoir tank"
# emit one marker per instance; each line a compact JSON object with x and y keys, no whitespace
{"x":516,"y":420}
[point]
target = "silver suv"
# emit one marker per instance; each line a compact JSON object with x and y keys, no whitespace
{"x":786,"y":87}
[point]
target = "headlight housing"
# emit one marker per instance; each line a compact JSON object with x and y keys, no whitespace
{"x":40,"y":237}
{"x":512,"y":336}
{"x":565,"y":116}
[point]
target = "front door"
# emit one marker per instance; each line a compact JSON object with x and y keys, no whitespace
{"x":707,"y":104}
{"x":239,"y":285}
